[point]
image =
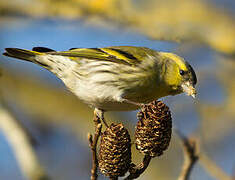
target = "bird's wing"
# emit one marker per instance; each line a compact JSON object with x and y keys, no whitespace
{"x":118,"y":54}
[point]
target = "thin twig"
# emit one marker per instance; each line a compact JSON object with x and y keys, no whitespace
{"x":137,"y":170}
{"x":233,"y":176}
{"x":190,"y":148}
{"x":33,"y":141}
{"x":192,"y":154}
{"x":113,"y":178}
{"x":21,"y":146}
{"x":93,"y":145}
{"x":212,"y":169}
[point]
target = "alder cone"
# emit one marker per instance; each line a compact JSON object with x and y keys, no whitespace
{"x":153,"y":129}
{"x":115,"y":151}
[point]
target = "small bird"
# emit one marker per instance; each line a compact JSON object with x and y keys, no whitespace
{"x":117,"y":78}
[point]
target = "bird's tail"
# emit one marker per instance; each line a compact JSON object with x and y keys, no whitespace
{"x":23,"y":54}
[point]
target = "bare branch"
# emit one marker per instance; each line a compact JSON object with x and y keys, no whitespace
{"x":190,"y":148}
{"x":191,"y":155}
{"x":113,"y":178}
{"x":137,"y":170}
{"x":149,"y":21}
{"x":212,"y":168}
{"x":21,"y":146}
{"x":93,"y":145}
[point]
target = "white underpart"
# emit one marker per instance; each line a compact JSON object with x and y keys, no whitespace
{"x":101,"y":96}
{"x":98,"y":95}
{"x":61,"y":66}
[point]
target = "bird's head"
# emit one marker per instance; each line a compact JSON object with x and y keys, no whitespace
{"x":178,"y":75}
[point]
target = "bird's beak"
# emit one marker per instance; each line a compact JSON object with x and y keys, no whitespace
{"x":189,"y":89}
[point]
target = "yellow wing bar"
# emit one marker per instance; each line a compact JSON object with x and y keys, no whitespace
{"x":105,"y":54}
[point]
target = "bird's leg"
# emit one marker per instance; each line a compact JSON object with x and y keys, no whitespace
{"x":132,"y":102}
{"x":100,"y":114}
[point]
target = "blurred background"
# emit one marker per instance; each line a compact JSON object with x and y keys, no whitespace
{"x":202,"y":31}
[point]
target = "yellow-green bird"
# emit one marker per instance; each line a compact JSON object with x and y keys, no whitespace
{"x":118,"y":78}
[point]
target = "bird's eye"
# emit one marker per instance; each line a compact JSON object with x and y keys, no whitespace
{"x":182,"y":72}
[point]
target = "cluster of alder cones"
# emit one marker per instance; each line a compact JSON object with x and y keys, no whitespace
{"x":152,"y":137}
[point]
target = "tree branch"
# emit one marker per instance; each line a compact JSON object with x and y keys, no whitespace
{"x":211,"y":167}
{"x":21,"y":146}
{"x":93,"y":145}
{"x":137,"y":170}
{"x":190,"y":148}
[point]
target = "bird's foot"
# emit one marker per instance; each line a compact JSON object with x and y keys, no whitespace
{"x":100,"y":115}
{"x":134,"y":103}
